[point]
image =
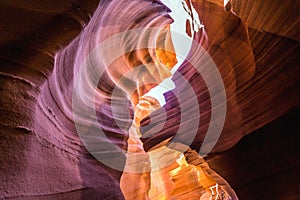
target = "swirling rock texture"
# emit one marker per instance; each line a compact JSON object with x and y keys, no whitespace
{"x":254,"y":44}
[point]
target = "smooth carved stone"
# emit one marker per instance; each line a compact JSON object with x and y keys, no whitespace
{"x":246,"y":60}
{"x":39,"y":144}
{"x":163,"y":173}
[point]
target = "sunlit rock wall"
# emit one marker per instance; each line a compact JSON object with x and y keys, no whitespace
{"x":255,"y":47}
{"x":246,"y":60}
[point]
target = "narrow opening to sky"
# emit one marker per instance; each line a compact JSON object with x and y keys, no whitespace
{"x":178,"y":29}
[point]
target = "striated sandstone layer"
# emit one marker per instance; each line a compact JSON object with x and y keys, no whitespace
{"x":255,"y":47}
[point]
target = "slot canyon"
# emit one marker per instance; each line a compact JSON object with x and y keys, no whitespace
{"x":150,"y":99}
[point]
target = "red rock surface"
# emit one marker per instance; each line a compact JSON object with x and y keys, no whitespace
{"x":255,"y":47}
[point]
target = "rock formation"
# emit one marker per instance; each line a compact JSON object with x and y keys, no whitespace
{"x":67,"y":114}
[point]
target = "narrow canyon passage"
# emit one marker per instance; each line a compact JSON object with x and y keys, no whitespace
{"x":149,"y":99}
{"x":163,"y":172}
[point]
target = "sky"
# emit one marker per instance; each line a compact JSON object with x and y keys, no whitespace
{"x":182,"y":44}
